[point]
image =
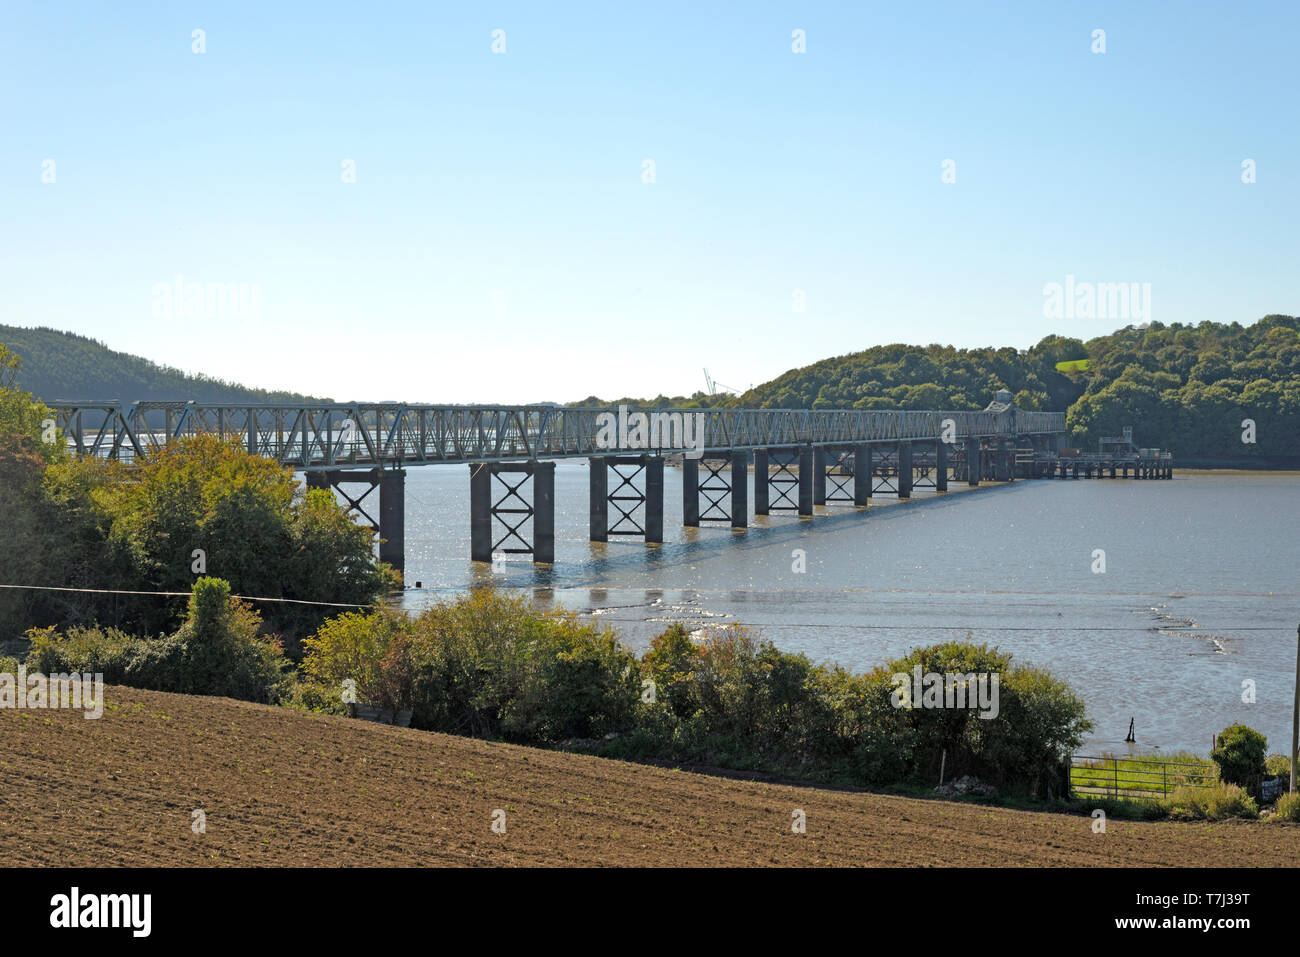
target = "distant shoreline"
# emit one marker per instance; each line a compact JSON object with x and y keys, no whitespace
{"x":1219,"y":465}
{"x":674,"y":460}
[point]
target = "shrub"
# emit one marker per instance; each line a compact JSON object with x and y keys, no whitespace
{"x":879,"y":740}
{"x":1039,"y":721}
{"x":485,"y":665}
{"x":668,"y":665}
{"x":372,"y":651}
{"x":216,"y":651}
{"x":1211,"y":804}
{"x":1277,"y":766}
{"x":469,"y":665}
{"x":85,"y":650}
{"x":1239,"y":754}
{"x":733,"y":697}
{"x":1225,"y":801}
{"x":1288,"y":807}
{"x":316,"y":698}
{"x":578,"y":683}
{"x":932,"y":731}
{"x":489,"y":665}
{"x":24,"y":558}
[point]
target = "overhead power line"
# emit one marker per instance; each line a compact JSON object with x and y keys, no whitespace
{"x":185,"y":594}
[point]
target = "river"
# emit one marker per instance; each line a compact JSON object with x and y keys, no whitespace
{"x":1198,"y":595}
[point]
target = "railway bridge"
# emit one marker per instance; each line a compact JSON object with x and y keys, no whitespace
{"x":798,"y":458}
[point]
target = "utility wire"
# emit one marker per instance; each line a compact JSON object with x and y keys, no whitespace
{"x":185,"y":594}
{"x":705,"y":622}
{"x":603,"y":618}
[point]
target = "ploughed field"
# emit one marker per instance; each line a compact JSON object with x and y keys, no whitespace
{"x":279,"y":787}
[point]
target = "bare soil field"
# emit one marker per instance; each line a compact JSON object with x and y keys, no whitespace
{"x":280,"y":787}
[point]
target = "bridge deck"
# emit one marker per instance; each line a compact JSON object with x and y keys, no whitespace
{"x":357,"y":435}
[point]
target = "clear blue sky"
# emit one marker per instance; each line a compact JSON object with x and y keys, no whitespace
{"x":522,"y":172}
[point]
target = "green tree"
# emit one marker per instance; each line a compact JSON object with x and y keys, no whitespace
{"x":1239,"y":752}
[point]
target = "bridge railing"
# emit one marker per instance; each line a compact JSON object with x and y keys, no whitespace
{"x":352,"y":434}
{"x":1039,"y":422}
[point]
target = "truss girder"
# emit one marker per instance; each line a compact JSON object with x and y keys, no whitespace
{"x":394,"y":435}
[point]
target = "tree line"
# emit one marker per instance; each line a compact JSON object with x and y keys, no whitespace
{"x":63,"y":365}
{"x":81,"y":534}
{"x":1213,"y":390}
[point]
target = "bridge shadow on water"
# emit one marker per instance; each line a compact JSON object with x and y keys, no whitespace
{"x":611,"y":569}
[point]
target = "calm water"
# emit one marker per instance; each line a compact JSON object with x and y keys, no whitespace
{"x":1199,"y":593}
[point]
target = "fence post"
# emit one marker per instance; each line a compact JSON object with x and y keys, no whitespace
{"x":1116,"y":761}
{"x":1164,"y":779}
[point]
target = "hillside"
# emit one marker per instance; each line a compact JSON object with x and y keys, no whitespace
{"x":64,"y":365}
{"x":281,"y":787}
{"x":1182,"y":387}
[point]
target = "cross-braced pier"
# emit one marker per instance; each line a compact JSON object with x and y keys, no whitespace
{"x":801,"y":459}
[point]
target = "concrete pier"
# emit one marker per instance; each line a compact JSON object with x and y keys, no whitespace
{"x":691,"y":493}
{"x":904,"y":469}
{"x":740,"y":489}
{"x":819,"y":475}
{"x":480,"y":512}
{"x":1006,"y":461}
{"x":598,"y":505}
{"x":543,"y":512}
{"x":392,"y":518}
{"x":861,"y":475}
{"x":806,"y":470}
{"x":654,"y":499}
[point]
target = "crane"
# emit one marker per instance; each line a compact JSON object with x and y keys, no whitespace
{"x":714,"y":386}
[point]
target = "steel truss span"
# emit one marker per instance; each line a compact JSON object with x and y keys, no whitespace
{"x":356,"y":435}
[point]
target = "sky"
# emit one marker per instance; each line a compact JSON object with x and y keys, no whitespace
{"x":619,"y":196}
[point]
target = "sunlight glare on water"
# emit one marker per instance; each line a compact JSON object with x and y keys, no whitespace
{"x":1199,"y":591}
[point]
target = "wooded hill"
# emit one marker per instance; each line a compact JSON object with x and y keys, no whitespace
{"x":63,"y":365}
{"x":1185,"y":388}
{"x":1191,"y":389}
